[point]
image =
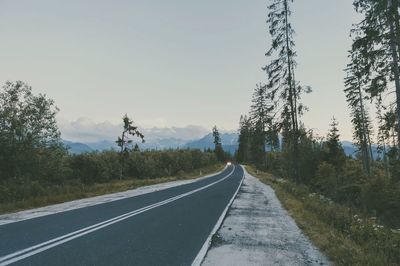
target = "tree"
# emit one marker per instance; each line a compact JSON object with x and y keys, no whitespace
{"x":355,"y":83}
{"x":219,"y":152}
{"x":335,"y":152}
{"x":261,"y":116}
{"x":377,"y":39}
{"x":282,"y":87}
{"x":28,"y":132}
{"x":257,"y":145}
{"x":261,"y":109}
{"x":388,"y":128}
{"x":124,"y":141}
{"x":244,"y":140}
{"x":382,"y":136}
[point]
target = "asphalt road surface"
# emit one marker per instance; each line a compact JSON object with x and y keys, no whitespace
{"x":166,"y":227}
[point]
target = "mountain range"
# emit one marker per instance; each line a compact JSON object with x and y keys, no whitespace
{"x":229,"y":144}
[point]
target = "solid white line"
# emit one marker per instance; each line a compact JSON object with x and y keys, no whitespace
{"x":22,"y":254}
{"x":92,"y":201}
{"x":76,"y":232}
{"x":203,"y":251}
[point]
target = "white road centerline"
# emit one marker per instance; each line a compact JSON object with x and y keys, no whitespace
{"x":27,"y":252}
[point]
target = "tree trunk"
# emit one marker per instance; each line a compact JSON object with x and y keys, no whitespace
{"x":392,"y":5}
{"x":397,"y":23}
{"x":366,"y":137}
{"x":122,"y":156}
{"x":292,"y":95}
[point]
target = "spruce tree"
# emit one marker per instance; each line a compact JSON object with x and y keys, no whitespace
{"x":382,"y":135}
{"x":355,"y":83}
{"x":244,"y":140}
{"x":219,"y":152}
{"x":377,"y":40}
{"x":261,"y":119}
{"x":335,"y":153}
{"x":283,"y":90}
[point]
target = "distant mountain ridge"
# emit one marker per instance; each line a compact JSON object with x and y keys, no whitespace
{"x":76,"y":147}
{"x":351,"y":150}
{"x":229,"y":144}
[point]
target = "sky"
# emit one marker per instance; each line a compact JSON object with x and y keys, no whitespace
{"x":169,"y":64}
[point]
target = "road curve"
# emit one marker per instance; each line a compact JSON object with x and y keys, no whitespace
{"x":166,"y":227}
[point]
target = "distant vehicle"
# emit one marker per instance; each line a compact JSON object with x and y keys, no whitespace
{"x":228,"y":163}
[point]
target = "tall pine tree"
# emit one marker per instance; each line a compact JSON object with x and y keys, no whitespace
{"x":283,"y":90}
{"x":244,"y":140}
{"x":219,"y":152}
{"x":377,"y":40}
{"x":355,"y":83}
{"x":261,"y":118}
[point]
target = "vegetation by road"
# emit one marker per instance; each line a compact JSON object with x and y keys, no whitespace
{"x":34,"y":194}
{"x":345,"y":235}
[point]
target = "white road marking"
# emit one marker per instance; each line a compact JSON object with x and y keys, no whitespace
{"x":24,"y":253}
{"x":92,"y":201}
{"x":203,"y":251}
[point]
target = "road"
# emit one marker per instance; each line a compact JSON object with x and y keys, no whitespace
{"x":166,"y":227}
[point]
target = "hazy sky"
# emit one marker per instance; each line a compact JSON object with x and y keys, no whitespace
{"x":169,"y":62}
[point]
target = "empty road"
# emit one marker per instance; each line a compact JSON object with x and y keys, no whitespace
{"x":166,"y":227}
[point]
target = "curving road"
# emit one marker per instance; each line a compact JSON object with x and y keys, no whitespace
{"x":166,"y":227}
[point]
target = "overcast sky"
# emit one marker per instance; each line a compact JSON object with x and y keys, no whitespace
{"x":169,"y":63}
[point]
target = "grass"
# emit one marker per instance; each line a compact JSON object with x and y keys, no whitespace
{"x":77,"y":190}
{"x":340,"y":233}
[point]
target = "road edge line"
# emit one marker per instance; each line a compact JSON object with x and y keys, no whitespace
{"x":28,"y":214}
{"x":203,"y":251}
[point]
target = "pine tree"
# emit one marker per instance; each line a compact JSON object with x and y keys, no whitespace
{"x":382,"y":135}
{"x":283,"y":90}
{"x":354,"y":83}
{"x":243,"y":152}
{"x":261,"y":118}
{"x":219,"y":152}
{"x":335,"y":154}
{"x":377,"y":39}
{"x":257,"y":145}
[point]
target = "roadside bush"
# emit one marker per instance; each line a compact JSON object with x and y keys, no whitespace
{"x":67,"y":177}
{"x":371,"y":243}
{"x":274,"y":164}
{"x":325,"y":180}
{"x":153,"y":164}
{"x":90,"y":168}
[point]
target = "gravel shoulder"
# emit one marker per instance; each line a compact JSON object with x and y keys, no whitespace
{"x":258,"y":231}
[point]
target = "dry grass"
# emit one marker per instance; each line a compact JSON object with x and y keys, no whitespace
{"x":70,"y":192}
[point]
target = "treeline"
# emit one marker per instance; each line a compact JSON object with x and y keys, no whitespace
{"x":105,"y":166}
{"x":33,"y":161}
{"x":273,"y":138}
{"x":74,"y":171}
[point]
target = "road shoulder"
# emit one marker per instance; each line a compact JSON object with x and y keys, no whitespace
{"x":259,"y":231}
